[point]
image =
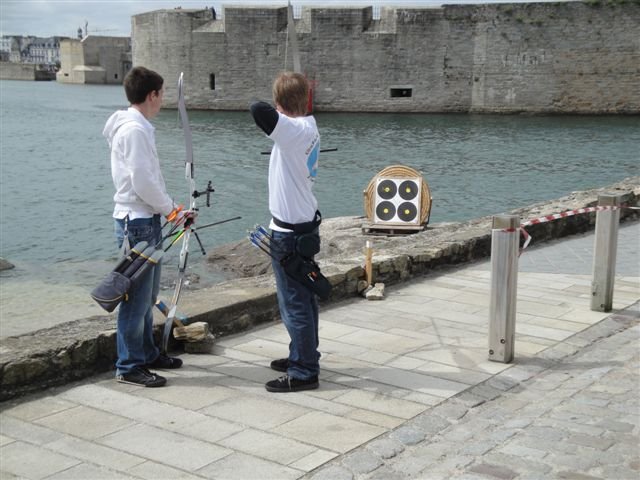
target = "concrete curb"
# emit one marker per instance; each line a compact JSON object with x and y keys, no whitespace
{"x":78,"y":349}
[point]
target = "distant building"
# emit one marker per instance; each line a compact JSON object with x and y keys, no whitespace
{"x":94,"y":59}
{"x":8,"y":44}
{"x":43,"y":51}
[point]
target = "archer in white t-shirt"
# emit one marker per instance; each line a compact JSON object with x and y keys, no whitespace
{"x":293,"y":168}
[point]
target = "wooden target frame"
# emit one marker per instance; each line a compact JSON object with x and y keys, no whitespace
{"x":397,"y":172}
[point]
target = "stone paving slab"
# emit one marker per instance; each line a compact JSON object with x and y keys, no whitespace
{"x":397,"y":375}
{"x":577,"y":418}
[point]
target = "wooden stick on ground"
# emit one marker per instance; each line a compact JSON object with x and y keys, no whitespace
{"x":368,"y":265}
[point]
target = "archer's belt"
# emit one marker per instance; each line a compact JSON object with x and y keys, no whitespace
{"x":301,"y":228}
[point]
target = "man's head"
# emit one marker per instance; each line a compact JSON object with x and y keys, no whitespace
{"x":291,"y":93}
{"x":144,"y":86}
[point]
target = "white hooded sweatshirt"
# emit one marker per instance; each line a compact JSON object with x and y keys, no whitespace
{"x":135,"y":167}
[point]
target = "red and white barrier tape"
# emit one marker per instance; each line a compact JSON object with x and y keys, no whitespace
{"x":556,"y":216}
{"x":525,"y":234}
{"x":568,"y":213}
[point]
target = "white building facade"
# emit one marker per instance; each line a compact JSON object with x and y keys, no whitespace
{"x":36,"y":50}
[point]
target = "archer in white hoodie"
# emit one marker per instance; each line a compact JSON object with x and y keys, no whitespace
{"x":140,"y":200}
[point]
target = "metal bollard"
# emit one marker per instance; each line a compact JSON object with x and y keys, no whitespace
{"x":505,"y":237}
{"x":604,"y":253}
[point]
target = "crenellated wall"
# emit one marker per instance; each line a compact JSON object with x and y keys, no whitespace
{"x":566,"y":57}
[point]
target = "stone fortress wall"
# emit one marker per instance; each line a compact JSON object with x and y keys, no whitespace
{"x":17,"y":71}
{"x":565,"y":57}
{"x":94,"y":59}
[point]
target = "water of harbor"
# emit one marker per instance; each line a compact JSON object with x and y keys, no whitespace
{"x":56,"y":190}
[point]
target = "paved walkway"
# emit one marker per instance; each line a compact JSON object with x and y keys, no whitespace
{"x":406,"y":392}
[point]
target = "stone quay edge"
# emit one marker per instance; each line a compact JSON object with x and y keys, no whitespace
{"x":78,"y":349}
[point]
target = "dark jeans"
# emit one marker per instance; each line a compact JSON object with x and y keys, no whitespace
{"x":299,"y":312}
{"x":135,"y":342}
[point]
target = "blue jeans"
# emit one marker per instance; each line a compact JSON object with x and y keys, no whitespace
{"x":135,"y":343}
{"x":299,"y":312}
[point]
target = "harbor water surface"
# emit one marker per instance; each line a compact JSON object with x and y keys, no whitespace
{"x":56,"y":190}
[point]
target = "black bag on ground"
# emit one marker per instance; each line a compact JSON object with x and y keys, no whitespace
{"x":307,"y":272}
{"x":111,"y":291}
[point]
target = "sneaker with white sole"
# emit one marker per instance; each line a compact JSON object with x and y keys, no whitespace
{"x":289,"y":384}
{"x":142,"y":377}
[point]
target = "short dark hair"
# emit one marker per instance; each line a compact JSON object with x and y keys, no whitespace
{"x":140,"y":82}
{"x":291,"y":92}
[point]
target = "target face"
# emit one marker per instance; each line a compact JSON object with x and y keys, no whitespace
{"x":385,"y":211}
{"x":408,"y":190}
{"x":407,"y":212}
{"x":387,"y":189}
{"x":397,"y":201}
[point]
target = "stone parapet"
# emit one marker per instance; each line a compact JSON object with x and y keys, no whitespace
{"x":81,"y":348}
{"x":544,"y":57}
{"x":23,"y":71}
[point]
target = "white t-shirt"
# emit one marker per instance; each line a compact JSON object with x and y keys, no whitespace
{"x":293,"y":167}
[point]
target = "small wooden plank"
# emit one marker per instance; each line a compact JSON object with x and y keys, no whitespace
{"x":389,"y":230}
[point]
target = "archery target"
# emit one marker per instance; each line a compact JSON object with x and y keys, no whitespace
{"x":385,"y":211}
{"x":397,"y":201}
{"x":408,"y":190}
{"x":407,"y":212}
{"x":387,"y":189}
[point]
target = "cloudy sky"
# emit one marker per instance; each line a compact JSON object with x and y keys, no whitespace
{"x":63,"y":17}
{"x":45,"y":18}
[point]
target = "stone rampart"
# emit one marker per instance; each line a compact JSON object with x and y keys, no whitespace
{"x":17,"y":71}
{"x":565,"y":57}
{"x":23,"y":71}
{"x":74,"y":350}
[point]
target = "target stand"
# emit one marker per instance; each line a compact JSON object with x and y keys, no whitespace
{"x":397,"y":202}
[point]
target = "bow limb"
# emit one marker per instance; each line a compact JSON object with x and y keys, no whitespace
{"x":293,"y":36}
{"x":184,"y":251}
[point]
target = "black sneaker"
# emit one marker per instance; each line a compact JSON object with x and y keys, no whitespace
{"x":142,"y":377}
{"x":289,"y":384}
{"x":280,"y":365}
{"x":165,"y":362}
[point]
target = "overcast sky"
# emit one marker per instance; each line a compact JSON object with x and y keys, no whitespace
{"x":44,"y":18}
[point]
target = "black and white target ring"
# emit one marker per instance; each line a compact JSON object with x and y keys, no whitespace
{"x":385,"y":211}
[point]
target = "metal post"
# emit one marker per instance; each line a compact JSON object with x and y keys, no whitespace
{"x":604,"y":253}
{"x":505,"y":236}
